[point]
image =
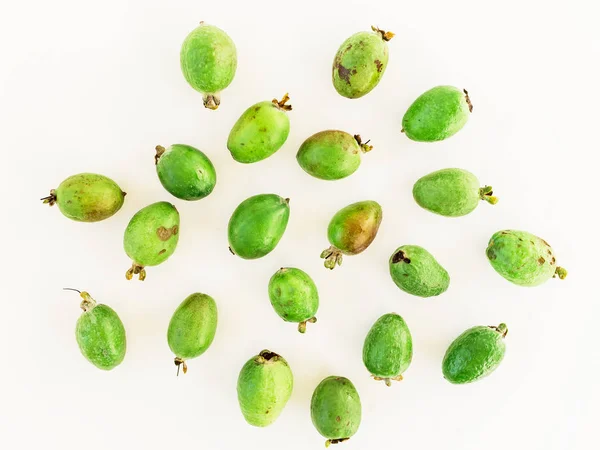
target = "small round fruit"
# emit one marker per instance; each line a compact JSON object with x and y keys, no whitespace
{"x":415,"y":271}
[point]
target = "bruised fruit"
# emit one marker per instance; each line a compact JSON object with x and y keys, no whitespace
{"x":415,"y":271}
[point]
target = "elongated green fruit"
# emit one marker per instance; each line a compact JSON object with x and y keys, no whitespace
{"x":151,"y":237}
{"x":257,"y":225}
{"x":208,"y":62}
{"x":264,"y":387}
{"x":192,"y":328}
{"x":351,"y":231}
{"x":388,"y":349}
{"x":437,"y":114}
{"x":360,"y":62}
{"x":415,"y":271}
{"x":260,"y":131}
{"x":335,"y":409}
{"x":451,"y":192}
{"x":185,"y":171}
{"x":87,"y":197}
{"x":294,"y":296}
{"x":474,"y":354}
{"x":523,"y":258}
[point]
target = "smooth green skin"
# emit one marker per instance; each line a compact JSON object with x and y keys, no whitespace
{"x":152,"y":234}
{"x":89,"y":197}
{"x":359,"y":64}
{"x":101,"y":337}
{"x":293,"y":295}
{"x":330,"y":155}
{"x":335,"y":408}
{"x":415,"y":271}
{"x":354,"y":227}
{"x":186,"y":172}
{"x":436,"y":115}
{"x":473,"y":355}
{"x":192,"y":327}
{"x":264,"y":387}
{"x":388,"y":349}
{"x":260,"y":131}
{"x":257,"y":225}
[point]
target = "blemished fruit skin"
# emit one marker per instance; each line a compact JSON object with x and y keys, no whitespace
{"x":360,"y":63}
{"x":260,"y":131}
{"x":208,"y":61}
{"x":331,"y":154}
{"x":335,"y":409}
{"x":185,"y":172}
{"x":294,"y":296}
{"x":523,"y":258}
{"x":388,"y":348}
{"x":451,"y":192}
{"x":257,"y":225}
{"x":264,"y":387}
{"x":474,"y":354}
{"x":416,"y":271}
{"x":87,"y":197}
{"x":437,"y":114}
{"x":151,"y":237}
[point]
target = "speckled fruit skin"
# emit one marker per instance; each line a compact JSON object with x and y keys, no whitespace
{"x":335,"y":409}
{"x":208,"y":61}
{"x":523,"y":258}
{"x":437,"y":114}
{"x":257,"y":225}
{"x":294,"y":296}
{"x":451,"y":192}
{"x":474,"y":354}
{"x":264,"y":387}
{"x":415,"y":271}
{"x":185,"y":172}
{"x":388,"y":349}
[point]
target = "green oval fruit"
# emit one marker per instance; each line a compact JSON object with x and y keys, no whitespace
{"x":151,"y":237}
{"x":360,"y":62}
{"x":415,"y":270}
{"x":294,"y":296}
{"x":437,"y":114}
{"x":264,"y":387}
{"x":192,"y":328}
{"x":351,"y":231}
{"x":100,"y":334}
{"x":260,"y":131}
{"x":185,"y":172}
{"x":335,"y":409}
{"x":523,"y":258}
{"x":451,"y":192}
{"x":208,"y":62}
{"x":388,"y":349}
{"x":474,"y":354}
{"x":87,"y":197}
{"x":257,"y":225}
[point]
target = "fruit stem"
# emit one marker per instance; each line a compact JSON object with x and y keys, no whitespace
{"x":51,"y":199}
{"x":282,"y":103}
{"x":486,"y":193}
{"x":302,"y":325}
{"x":388,"y":380}
{"x":561,"y":272}
{"x":87,"y":303}
{"x":159,"y":152}
{"x":136,"y":269}
{"x":502,"y":329}
{"x":332,"y":257}
{"x":400,"y":256}
{"x":385,"y":35}
{"x":468,"y":100}
{"x":364,"y":147}
{"x":180,"y":362}
{"x":328,"y":442}
{"x":211,"y":101}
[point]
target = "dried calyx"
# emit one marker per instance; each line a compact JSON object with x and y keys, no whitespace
{"x":281,"y":104}
{"x":385,"y":35}
{"x":400,"y":256}
{"x":365,"y":147}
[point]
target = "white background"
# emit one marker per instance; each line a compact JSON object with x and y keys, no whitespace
{"x":94,"y":86}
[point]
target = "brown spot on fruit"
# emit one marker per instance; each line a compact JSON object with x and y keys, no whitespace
{"x":490,"y":254}
{"x":379,"y":65}
{"x":338,"y":418}
{"x":165,"y":233}
{"x":263,"y":129}
{"x":343,"y":72}
{"x":162,"y":251}
{"x":541,"y":260}
{"x":545,"y":242}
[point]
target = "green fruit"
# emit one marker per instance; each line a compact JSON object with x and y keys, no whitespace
{"x":415,"y":270}
{"x":208,"y":62}
{"x":192,"y":328}
{"x":151,"y":237}
{"x":474,"y":354}
{"x":185,"y":172}
{"x":87,"y":197}
{"x":451,"y":192}
{"x":264,"y":387}
{"x":388,"y":349}
{"x":257,"y":225}
{"x":335,"y":409}
{"x":523,"y":258}
{"x":351,"y":231}
{"x":360,"y":62}
{"x":331,"y":154}
{"x":294,"y":296}
{"x":260,"y":131}
{"x":437,"y":114}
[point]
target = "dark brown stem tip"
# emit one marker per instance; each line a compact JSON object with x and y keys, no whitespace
{"x":267,"y":355}
{"x":468,"y":100}
{"x":287,"y":201}
{"x":211,"y":101}
{"x":231,"y":250}
{"x":51,"y":199}
{"x":385,"y":35}
{"x":159,"y":152}
{"x":400,"y":256}
{"x":365,"y":147}
{"x":180,"y":363}
{"x":328,"y":442}
{"x":281,"y":104}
